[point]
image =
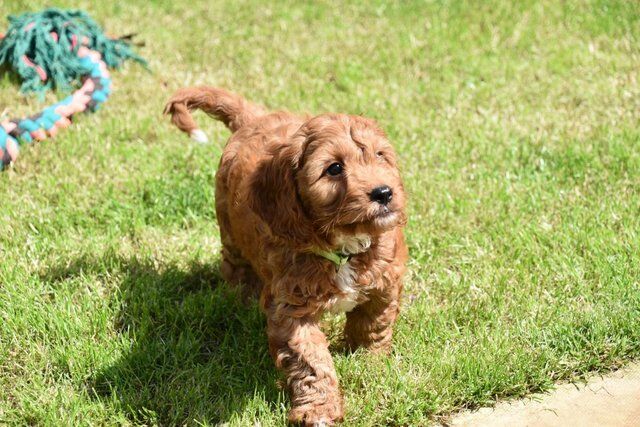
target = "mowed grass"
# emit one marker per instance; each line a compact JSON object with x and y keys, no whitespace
{"x":517,"y":125}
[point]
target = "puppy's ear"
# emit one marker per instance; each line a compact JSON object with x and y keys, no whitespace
{"x":275,"y":198}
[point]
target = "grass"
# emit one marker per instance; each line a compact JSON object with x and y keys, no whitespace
{"x":518,"y":129}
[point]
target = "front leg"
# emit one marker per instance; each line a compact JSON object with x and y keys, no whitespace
{"x":301,"y":350}
{"x":370,"y":325}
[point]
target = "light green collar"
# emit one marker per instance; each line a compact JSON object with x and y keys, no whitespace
{"x":338,"y":258}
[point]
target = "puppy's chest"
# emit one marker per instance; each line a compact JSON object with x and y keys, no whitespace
{"x":351,"y":290}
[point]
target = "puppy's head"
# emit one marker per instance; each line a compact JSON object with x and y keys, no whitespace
{"x":347,"y":176}
{"x":340,"y":179}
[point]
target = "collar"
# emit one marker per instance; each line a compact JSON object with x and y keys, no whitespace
{"x":338,"y":258}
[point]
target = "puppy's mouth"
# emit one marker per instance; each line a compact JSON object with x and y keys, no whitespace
{"x":381,"y":219}
{"x":384,"y":212}
{"x":374,"y":219}
{"x":385,"y":217}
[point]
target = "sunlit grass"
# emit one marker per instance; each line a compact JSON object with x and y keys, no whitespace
{"x":518,"y":129}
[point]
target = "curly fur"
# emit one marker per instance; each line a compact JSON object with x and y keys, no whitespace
{"x":275,"y":203}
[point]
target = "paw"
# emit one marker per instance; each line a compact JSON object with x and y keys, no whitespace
{"x":326,"y":414}
{"x":374,"y":347}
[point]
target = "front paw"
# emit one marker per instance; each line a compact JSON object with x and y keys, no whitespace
{"x":326,"y":414}
{"x":382,"y":347}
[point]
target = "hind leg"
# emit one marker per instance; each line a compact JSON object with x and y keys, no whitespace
{"x":235,"y":268}
{"x":238,"y":272}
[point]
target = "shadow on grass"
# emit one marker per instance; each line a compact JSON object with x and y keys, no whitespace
{"x":191,"y":350}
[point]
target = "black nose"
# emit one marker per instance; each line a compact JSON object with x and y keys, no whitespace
{"x":382,"y":194}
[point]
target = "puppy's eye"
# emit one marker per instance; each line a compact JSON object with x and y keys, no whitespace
{"x":334,"y":169}
{"x":379,"y":154}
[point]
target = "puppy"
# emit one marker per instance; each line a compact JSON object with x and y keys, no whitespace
{"x":311,"y":211}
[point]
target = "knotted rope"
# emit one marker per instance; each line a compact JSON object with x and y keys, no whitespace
{"x":53,"y":49}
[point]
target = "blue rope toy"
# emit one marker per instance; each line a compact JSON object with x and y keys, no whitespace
{"x":51,"y":50}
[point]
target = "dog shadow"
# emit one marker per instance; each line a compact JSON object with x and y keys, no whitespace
{"x":191,"y":350}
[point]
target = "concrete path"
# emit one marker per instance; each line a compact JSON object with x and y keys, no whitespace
{"x":611,"y":400}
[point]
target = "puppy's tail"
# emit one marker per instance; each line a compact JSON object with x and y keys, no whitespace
{"x":231,"y":109}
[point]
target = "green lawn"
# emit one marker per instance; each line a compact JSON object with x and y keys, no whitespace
{"x":518,"y":130}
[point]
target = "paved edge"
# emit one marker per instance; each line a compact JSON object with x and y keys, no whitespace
{"x":604,"y":400}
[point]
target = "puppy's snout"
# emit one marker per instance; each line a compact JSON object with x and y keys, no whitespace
{"x":382,"y":194}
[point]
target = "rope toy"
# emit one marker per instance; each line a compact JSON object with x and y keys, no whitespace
{"x":53,"y":49}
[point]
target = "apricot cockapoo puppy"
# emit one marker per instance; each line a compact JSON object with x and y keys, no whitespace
{"x":311,"y":211}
